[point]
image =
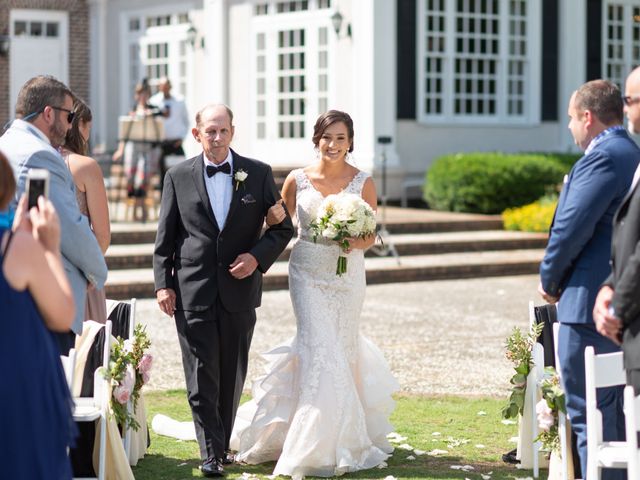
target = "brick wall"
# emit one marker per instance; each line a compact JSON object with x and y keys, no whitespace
{"x":78,"y":53}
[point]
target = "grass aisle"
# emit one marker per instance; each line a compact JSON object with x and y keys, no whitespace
{"x":468,"y":436}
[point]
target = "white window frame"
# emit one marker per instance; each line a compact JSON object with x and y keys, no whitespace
{"x":628,"y":58}
{"x":532,"y":91}
{"x":311,"y":21}
{"x":172,"y":34}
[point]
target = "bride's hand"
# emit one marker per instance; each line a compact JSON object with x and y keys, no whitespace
{"x":276,"y":213}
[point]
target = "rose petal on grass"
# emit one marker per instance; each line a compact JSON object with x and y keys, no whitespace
{"x":435,"y":452}
{"x":182,"y":464}
{"x":480,"y":446}
{"x":436,"y":434}
{"x":508,"y":421}
{"x":382,"y":465}
{"x":390,"y":477}
{"x":513,"y":440}
{"x":411,"y":457}
{"x":485,"y":477}
{"x":419,"y":452}
{"x":482,"y":413}
{"x":405,"y":446}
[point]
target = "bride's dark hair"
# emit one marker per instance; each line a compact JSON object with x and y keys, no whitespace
{"x":329,"y":118}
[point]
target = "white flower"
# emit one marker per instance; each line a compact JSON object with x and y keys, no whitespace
{"x":240,"y":176}
{"x":546,"y":420}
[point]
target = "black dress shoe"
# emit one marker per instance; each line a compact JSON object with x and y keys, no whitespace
{"x":228,"y":458}
{"x":212,"y":467}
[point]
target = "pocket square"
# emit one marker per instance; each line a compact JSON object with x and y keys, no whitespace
{"x":247,"y":199}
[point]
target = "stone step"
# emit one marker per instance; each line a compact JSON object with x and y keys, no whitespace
{"x":398,"y":220}
{"x":129,"y":256}
{"x":128,"y":283}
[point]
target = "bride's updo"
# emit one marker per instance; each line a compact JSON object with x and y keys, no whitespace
{"x":329,"y":118}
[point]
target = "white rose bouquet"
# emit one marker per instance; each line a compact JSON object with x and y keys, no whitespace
{"x":340,"y":217}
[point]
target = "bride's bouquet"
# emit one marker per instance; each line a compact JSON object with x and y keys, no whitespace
{"x":340,"y":217}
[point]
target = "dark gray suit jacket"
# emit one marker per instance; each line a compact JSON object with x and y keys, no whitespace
{"x":625,"y":275}
{"x":193,"y":253}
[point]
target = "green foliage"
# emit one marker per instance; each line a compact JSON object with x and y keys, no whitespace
{"x":553,"y":395}
{"x":519,"y":347}
{"x":490,"y":182}
{"x":535,"y":217}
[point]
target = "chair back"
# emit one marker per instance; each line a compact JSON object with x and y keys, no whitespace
{"x":123,"y":317}
{"x":604,"y":370}
{"x":632,"y":427}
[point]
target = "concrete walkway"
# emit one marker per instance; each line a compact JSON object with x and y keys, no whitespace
{"x":440,"y":337}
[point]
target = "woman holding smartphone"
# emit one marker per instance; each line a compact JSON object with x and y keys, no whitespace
{"x":36,"y":298}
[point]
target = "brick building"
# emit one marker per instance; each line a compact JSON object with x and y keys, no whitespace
{"x":42,"y":36}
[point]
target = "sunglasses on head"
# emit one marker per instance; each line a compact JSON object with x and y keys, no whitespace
{"x":70,"y":113}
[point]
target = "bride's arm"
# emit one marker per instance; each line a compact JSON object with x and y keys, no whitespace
{"x":371,"y":197}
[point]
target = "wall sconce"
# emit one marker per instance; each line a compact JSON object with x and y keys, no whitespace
{"x":336,"y":21}
{"x":192,"y":34}
{"x":4,"y":45}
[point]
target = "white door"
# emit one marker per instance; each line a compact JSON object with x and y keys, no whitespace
{"x":39,"y":40}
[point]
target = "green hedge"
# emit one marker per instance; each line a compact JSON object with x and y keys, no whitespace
{"x":490,"y":182}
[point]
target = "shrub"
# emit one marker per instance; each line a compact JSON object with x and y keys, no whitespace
{"x":490,"y":182}
{"x":565,"y":159}
{"x":535,"y":217}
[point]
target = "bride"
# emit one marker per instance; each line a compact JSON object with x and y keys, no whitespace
{"x":322,"y":408}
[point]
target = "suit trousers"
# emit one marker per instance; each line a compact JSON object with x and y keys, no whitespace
{"x":572,"y":342}
{"x":215,"y":354}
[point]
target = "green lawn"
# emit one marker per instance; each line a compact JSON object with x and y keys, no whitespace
{"x":469,"y":439}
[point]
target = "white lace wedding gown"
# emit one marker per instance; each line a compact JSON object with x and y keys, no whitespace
{"x":322,"y":407}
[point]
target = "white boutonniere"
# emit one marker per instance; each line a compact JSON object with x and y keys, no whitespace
{"x":240,"y":176}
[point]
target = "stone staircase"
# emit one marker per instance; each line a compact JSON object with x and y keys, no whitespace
{"x":431,"y":245}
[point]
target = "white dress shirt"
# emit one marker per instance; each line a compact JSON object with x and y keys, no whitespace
{"x":219,"y":189}
{"x":176,"y":125}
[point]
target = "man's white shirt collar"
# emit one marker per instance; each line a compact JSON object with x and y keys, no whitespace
{"x":228,"y":160}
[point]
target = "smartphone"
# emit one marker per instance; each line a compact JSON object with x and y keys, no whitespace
{"x":37,"y":185}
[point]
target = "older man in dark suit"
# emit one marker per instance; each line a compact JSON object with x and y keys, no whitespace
{"x":576,"y":260}
{"x":209,"y":258}
{"x":617,"y":308}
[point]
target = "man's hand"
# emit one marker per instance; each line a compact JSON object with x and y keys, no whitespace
{"x":546,"y":297}
{"x":243,"y":266}
{"x":166,"y":300}
{"x":606,"y":324}
{"x":276,"y":213}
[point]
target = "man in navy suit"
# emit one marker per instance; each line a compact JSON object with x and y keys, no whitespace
{"x":576,"y":260}
{"x":621,"y":290}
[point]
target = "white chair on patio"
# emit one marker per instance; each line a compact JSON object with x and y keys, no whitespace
{"x":632,"y":424}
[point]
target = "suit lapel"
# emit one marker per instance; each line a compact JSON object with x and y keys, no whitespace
{"x":197,"y":172}
{"x":238,"y":163}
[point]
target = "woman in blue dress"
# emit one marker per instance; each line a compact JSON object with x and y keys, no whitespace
{"x":36,"y":423}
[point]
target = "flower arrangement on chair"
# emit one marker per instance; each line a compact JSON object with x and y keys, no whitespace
{"x":129,"y":370}
{"x":547,"y":410}
{"x":518,"y":352}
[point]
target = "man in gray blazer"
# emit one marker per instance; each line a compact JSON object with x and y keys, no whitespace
{"x":43,"y":116}
{"x":617,"y":307}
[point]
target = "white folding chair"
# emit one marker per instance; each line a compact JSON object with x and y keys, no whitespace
{"x":90,"y":409}
{"x":111,"y":305}
{"x":562,"y":417}
{"x":605,"y":370}
{"x":126,"y":438}
{"x":538,"y":374}
{"x":68,"y":365}
{"x":632,"y":424}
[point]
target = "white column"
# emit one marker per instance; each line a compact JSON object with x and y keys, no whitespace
{"x":98,"y":71}
{"x":212,"y":77}
{"x":573,"y":58}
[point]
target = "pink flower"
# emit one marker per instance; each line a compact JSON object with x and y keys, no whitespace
{"x":546,"y":420}
{"x":145,"y":377}
{"x":144,"y":366}
{"x":121,"y":394}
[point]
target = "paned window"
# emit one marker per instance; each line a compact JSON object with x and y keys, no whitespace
{"x":621,"y":42}
{"x":475,"y":60}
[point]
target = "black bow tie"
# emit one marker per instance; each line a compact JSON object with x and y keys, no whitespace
{"x":224,"y":168}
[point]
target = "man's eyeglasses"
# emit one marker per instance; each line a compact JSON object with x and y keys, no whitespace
{"x":628,"y":101}
{"x":70,"y":113}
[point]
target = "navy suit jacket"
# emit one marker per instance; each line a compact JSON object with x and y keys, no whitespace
{"x":576,"y":260}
